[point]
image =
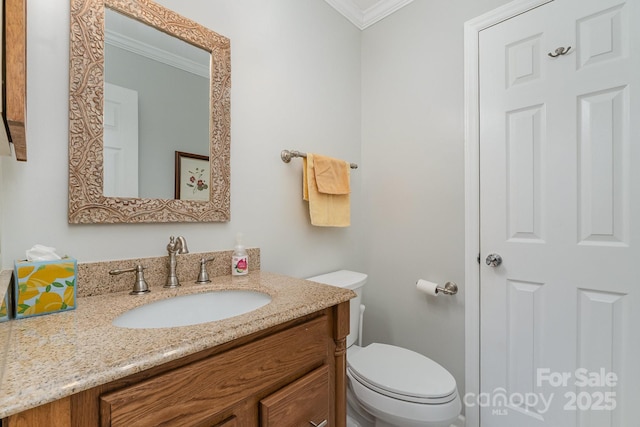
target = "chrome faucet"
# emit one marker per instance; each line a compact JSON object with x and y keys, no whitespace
{"x":176,"y":246}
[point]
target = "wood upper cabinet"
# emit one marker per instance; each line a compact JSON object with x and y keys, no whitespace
{"x":289,"y":375}
{"x":15,"y":77}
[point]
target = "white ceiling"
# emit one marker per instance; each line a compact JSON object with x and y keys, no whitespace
{"x":363,"y":13}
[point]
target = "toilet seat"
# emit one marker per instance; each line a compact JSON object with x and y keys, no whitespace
{"x":401,"y":374}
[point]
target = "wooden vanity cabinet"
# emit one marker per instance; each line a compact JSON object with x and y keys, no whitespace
{"x":289,"y":375}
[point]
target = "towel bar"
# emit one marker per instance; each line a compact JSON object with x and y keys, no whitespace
{"x":287,"y":155}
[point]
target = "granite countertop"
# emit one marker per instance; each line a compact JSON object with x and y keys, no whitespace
{"x":5,"y":328}
{"x":57,"y":355}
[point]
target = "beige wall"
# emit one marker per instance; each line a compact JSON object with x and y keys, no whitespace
{"x":413,"y":175}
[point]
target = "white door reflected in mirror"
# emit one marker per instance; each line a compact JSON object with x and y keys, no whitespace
{"x":120,"y":141}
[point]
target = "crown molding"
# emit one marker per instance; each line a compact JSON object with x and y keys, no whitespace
{"x":152,"y":52}
{"x":349,"y":10}
{"x":369,"y":16}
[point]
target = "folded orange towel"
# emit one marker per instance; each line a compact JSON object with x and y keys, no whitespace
{"x":326,"y":210}
{"x":332,"y":175}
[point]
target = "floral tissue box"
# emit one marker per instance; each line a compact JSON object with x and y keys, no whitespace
{"x":4,"y":307}
{"x":42,"y":287}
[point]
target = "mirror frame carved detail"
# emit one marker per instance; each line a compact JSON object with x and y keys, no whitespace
{"x":87,"y":204}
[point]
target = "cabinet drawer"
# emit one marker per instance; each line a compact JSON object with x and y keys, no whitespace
{"x":302,"y":403}
{"x":191,"y":394}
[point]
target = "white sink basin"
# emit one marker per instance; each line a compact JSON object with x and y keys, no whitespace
{"x":192,"y":309}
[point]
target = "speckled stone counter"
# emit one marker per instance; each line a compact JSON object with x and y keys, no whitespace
{"x":5,"y":331}
{"x":54,"y":356}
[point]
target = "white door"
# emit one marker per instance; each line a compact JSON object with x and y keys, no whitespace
{"x":560,"y":203}
{"x":120,"y":141}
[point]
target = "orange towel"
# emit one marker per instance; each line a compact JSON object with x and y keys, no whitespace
{"x":325,"y":210}
{"x":332,"y":175}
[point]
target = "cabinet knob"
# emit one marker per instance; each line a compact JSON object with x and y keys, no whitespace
{"x":322,"y":424}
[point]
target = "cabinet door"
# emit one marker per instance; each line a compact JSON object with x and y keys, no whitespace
{"x":303,"y":403}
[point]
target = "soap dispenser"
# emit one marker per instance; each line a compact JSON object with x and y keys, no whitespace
{"x":239,"y":259}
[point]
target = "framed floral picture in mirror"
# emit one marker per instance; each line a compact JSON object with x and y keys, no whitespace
{"x":192,"y":176}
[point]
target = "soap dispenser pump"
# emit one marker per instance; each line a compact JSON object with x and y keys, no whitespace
{"x":239,"y":259}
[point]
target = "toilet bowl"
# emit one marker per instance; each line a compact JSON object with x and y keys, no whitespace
{"x":390,"y":386}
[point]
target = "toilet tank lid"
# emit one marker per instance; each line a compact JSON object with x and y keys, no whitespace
{"x":342,"y":278}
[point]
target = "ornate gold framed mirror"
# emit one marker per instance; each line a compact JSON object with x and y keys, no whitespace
{"x":87,"y":200}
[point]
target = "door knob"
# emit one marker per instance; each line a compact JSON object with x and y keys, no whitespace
{"x":494,"y":260}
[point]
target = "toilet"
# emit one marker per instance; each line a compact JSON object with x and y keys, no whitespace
{"x":390,"y":386}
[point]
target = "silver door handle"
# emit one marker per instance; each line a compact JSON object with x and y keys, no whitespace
{"x":322,"y":424}
{"x":494,"y":260}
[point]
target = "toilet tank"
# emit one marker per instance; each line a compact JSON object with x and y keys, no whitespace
{"x":349,"y":280}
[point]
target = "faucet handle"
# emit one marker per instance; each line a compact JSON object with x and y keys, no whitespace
{"x":140,"y":287}
{"x":203,"y":276}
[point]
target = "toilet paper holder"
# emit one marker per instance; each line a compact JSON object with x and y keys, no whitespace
{"x":433,"y":289}
{"x":450,"y":288}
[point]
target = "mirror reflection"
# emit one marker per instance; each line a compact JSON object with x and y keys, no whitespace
{"x":156,"y":102}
